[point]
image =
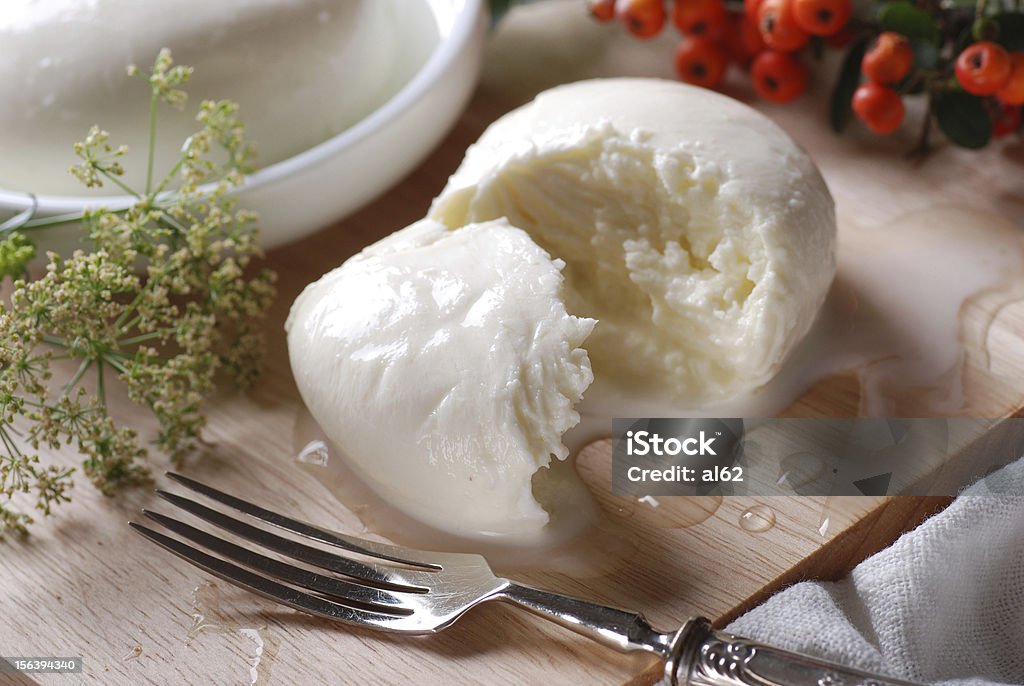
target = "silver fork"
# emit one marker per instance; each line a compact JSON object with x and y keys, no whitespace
{"x":419,"y":592}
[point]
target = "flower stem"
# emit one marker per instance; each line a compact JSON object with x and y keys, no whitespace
{"x":100,"y":389}
{"x":82,"y":369}
{"x":69,"y":218}
{"x":117,"y":364}
{"x":141,"y":338}
{"x":59,"y":342}
{"x":921,"y":150}
{"x":153,"y":100}
{"x":119,"y":322}
{"x":169,"y":177}
{"x":119,"y":183}
{"x":12,"y":448}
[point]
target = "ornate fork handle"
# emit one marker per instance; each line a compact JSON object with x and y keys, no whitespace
{"x":701,"y":656}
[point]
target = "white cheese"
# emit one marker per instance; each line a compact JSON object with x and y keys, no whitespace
{"x":446,"y":360}
{"x":693,"y":228}
{"x":445,"y":367}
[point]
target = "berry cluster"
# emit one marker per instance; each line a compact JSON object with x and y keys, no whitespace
{"x":763,"y":36}
{"x":968,"y":61}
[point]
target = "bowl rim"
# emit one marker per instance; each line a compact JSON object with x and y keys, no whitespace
{"x":466,"y":17}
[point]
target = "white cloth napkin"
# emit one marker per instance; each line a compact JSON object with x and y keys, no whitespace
{"x":944,"y":604}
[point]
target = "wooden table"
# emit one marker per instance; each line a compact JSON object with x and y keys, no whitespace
{"x":84,"y":584}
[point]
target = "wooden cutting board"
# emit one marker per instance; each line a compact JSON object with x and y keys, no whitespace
{"x":84,"y":584}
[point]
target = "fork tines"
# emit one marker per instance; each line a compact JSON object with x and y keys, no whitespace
{"x":323,"y":583}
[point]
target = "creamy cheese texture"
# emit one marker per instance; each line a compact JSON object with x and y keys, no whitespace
{"x":445,"y":366}
{"x":446,"y":359}
{"x":302,"y":71}
{"x":693,"y":228}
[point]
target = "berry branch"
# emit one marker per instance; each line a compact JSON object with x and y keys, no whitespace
{"x":965,"y":57}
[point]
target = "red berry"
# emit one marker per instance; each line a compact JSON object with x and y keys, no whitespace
{"x":778,"y":76}
{"x":1012,"y":92}
{"x":699,"y":17}
{"x":750,"y":8}
{"x":1006,"y":120}
{"x":822,"y":17}
{"x":701,"y":61}
{"x":879,"y":107}
{"x":643,"y":18}
{"x":889,"y":58}
{"x":602,"y":10}
{"x":778,"y":27}
{"x":741,"y":40}
{"x":983,"y":68}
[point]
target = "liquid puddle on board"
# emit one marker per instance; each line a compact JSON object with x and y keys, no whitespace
{"x":917,"y":315}
{"x":208,"y":616}
{"x":594,"y":539}
{"x":799,"y":470}
{"x":894,"y":320}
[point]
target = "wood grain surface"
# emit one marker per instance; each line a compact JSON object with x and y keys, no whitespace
{"x":84,"y":584}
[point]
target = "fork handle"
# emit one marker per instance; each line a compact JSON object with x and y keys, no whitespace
{"x":622,"y":630}
{"x":701,"y":656}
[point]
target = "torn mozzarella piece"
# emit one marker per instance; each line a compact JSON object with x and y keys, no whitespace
{"x":445,"y":366}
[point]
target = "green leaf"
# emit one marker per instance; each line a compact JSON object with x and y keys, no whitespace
{"x":904,"y":18}
{"x":840,"y":111}
{"x":963,"y":118}
{"x":926,"y":53}
{"x":1011,"y":30}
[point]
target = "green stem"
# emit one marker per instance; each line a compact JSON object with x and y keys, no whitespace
{"x":53,"y":340}
{"x":172,"y":223}
{"x":50,"y":358}
{"x":132,"y":324}
{"x":119,"y":183}
{"x":12,"y":449}
{"x":58,"y":219}
{"x":82,"y":369}
{"x":101,"y":392}
{"x":112,"y":355}
{"x":119,"y":322}
{"x":116,"y":364}
{"x":141,"y":338}
{"x":52,"y":221}
{"x":153,"y":100}
{"x":169,"y":177}
{"x":920,"y":151}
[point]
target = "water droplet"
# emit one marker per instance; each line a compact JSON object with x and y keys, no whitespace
{"x":757,"y":519}
{"x":799,"y":470}
{"x":823,"y":527}
{"x":315,"y":452}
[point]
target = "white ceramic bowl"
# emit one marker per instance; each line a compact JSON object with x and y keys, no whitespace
{"x":319,"y":186}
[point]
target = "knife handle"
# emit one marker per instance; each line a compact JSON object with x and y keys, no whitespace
{"x":701,"y":656}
